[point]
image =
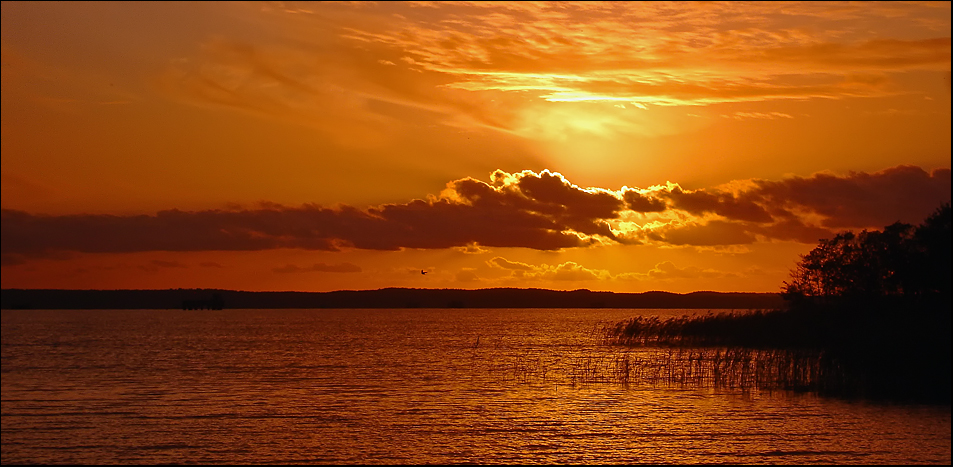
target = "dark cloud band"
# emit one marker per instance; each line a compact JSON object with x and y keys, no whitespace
{"x":542,"y":211}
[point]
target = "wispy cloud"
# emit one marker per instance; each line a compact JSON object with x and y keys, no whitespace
{"x":667,"y":270}
{"x":758,"y":115}
{"x":571,"y":271}
{"x":666,"y":54}
{"x":461,"y":61}
{"x":568,"y":271}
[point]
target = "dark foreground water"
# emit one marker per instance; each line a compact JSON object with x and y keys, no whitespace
{"x":399,"y":386}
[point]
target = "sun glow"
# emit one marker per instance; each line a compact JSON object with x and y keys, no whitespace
{"x":347,"y":144}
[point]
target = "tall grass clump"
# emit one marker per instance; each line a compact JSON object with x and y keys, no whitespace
{"x":888,"y":349}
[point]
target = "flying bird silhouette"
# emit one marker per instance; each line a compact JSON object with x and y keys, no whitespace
{"x":423,"y":272}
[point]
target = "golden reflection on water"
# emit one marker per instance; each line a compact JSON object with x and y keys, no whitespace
{"x":399,"y":386}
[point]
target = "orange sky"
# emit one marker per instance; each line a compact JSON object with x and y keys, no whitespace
{"x":323,"y":146}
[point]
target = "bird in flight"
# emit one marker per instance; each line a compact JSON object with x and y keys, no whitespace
{"x":423,"y":272}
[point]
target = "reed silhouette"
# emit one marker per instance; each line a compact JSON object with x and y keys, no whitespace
{"x":867,"y":315}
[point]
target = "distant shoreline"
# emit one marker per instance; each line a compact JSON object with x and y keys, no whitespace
{"x":379,"y":298}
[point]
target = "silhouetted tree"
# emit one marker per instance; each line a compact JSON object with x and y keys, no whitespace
{"x":933,"y":259}
{"x":900,"y":261}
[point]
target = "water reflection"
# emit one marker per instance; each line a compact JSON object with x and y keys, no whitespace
{"x":398,"y":386}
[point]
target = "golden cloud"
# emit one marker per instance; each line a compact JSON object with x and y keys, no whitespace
{"x":542,"y":211}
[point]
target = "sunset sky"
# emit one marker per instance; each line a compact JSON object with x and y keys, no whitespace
{"x":325,"y":146}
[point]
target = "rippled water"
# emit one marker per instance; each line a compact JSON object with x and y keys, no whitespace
{"x":398,"y":386}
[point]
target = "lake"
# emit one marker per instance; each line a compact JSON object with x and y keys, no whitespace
{"x":398,"y":386}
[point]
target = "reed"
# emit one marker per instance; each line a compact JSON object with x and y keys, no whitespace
{"x":524,"y":369}
{"x":768,"y":329}
{"x":886,"y":352}
{"x":715,"y":368}
{"x":726,"y":367}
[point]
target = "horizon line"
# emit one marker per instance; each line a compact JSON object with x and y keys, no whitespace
{"x":383,"y":288}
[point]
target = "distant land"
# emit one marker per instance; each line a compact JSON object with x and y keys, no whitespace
{"x":380,"y":298}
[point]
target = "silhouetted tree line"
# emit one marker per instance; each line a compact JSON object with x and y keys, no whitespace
{"x":214,"y":303}
{"x":900,"y":261}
